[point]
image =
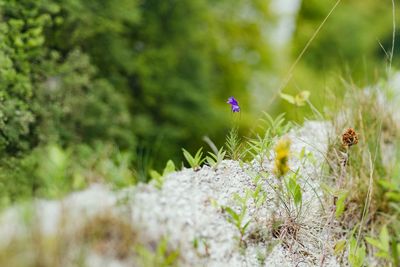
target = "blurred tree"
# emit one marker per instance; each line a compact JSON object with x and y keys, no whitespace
{"x":47,"y":97}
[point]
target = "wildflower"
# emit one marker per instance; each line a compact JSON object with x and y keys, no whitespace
{"x":349,"y":137}
{"x":234,"y":104}
{"x":282,"y":150}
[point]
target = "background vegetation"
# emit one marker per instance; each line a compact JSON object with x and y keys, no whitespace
{"x":94,"y":89}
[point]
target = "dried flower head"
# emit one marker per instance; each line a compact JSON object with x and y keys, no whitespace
{"x":282,"y":150}
{"x":349,"y":137}
{"x":234,"y":104}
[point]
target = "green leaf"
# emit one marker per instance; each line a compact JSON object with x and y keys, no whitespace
{"x":374,"y":242}
{"x":339,"y":246}
{"x":241,"y":200}
{"x":384,"y":238}
{"x":158,"y":178}
{"x":195,"y":161}
{"x":340,"y":205}
{"x":154,"y":174}
{"x":297,"y":195}
{"x":295,"y":190}
{"x":288,"y":98}
{"x":171,"y":258}
{"x":235,"y":216}
{"x":242,"y":213}
{"x":246,"y":225}
{"x":357,"y":254}
{"x":382,"y":254}
{"x":188,"y":157}
{"x":301,"y":98}
{"x":211,"y":162}
{"x":257,"y":191}
{"x":169,"y":167}
{"x":393,"y":196}
{"x":302,"y":153}
{"x":387,"y":184}
{"x":195,"y":243}
{"x":395,"y":251}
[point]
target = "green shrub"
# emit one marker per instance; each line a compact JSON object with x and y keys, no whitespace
{"x":47,"y":95}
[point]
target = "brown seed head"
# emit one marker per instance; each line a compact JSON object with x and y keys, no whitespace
{"x":349,"y":137}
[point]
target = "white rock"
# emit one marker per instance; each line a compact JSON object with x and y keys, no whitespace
{"x":182,"y":210}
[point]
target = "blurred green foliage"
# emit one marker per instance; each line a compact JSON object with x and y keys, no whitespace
{"x":131,"y":74}
{"x":349,"y":42}
{"x":353,"y":45}
{"x":47,"y":96}
{"x":51,"y":171}
{"x":175,"y":61}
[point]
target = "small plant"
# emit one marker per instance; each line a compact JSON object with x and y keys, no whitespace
{"x":294,"y":190}
{"x":282,"y":150}
{"x":305,"y":156}
{"x":387,"y":249}
{"x":261,"y":257}
{"x":162,"y":256}
{"x":215,"y":159}
{"x":233,"y":142}
{"x":233,"y":145}
{"x":340,"y":197}
{"x":357,"y":253}
{"x":159,"y":178}
{"x":257,"y":194}
{"x":238,"y":218}
{"x":275,"y":127}
{"x":201,"y":242}
{"x":392,"y":192}
{"x":260,"y":146}
{"x":194,"y":161}
{"x":348,"y":139}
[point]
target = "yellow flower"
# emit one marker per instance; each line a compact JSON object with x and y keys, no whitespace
{"x":282,"y":150}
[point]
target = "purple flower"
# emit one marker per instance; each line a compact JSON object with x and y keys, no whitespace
{"x":234,"y":104}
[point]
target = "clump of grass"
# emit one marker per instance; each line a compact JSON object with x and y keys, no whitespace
{"x":365,"y":176}
{"x":288,"y":196}
{"x":214,"y":160}
{"x":159,"y":178}
{"x":259,"y":147}
{"x":196,"y":160}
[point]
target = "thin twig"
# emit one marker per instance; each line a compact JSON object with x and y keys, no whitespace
{"x":367,"y":198}
{"x":393,"y":35}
